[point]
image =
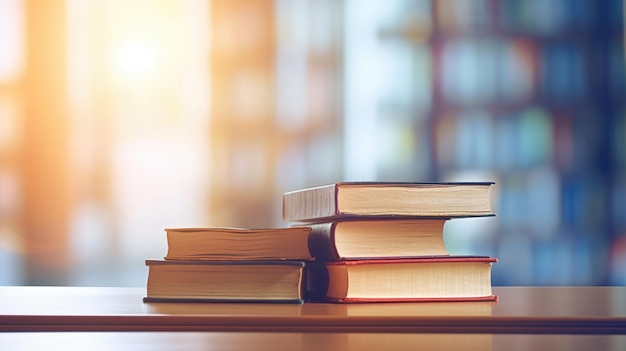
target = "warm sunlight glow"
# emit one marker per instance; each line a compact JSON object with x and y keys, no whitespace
{"x":11,"y":36}
{"x":136,"y":59}
{"x":138,"y":78}
{"x":144,"y":44}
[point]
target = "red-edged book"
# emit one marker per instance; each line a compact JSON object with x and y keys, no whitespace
{"x":452,"y":278}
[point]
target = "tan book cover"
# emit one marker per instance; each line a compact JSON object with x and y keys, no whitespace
{"x":356,"y":199}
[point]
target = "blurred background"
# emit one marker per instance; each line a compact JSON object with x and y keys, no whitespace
{"x":121,"y":118}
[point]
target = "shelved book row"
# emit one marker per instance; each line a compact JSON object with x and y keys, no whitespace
{"x":347,"y":242}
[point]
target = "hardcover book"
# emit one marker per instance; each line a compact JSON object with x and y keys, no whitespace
{"x":355,"y":199}
{"x":226,"y":281}
{"x":377,"y":238}
{"x":238,"y":244}
{"x":460,"y":278}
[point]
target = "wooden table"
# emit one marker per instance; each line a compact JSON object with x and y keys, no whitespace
{"x":519,"y":310}
{"x":274,"y":341}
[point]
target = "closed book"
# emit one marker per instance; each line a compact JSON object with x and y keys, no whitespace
{"x":355,"y":199}
{"x":226,"y":281}
{"x":377,"y":238}
{"x":453,"y":278}
{"x":214,"y":243}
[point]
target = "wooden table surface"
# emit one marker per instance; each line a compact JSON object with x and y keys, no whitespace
{"x":519,"y":310}
{"x":274,"y":341}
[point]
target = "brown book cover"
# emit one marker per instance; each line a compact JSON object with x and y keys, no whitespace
{"x":385,"y":199}
{"x":218,"y":243}
{"x":225,"y":281}
{"x":377,"y":238}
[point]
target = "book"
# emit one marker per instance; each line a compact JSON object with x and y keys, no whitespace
{"x":377,"y":238}
{"x":454,"y":278}
{"x":290,"y":243}
{"x":354,"y":199}
{"x":225,"y":281}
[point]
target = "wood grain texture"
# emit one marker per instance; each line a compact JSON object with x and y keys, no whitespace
{"x":202,"y":341}
{"x":535,"y":310}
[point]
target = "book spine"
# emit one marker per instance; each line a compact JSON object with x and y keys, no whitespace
{"x":316,"y":279}
{"x":322,"y":242}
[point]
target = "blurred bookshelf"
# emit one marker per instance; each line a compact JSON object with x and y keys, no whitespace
{"x":527,"y":93}
{"x":275,"y":101}
{"x":295,"y":93}
{"x":530,"y":94}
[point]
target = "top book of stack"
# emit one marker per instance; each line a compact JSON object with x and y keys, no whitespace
{"x":351,"y":200}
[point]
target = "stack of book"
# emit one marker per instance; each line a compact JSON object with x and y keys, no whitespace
{"x":376,"y":241}
{"x":230,"y":264}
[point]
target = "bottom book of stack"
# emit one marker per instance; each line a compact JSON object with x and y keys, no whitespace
{"x":443,"y":278}
{"x":245,"y":281}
